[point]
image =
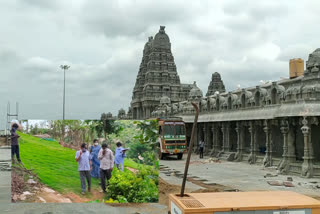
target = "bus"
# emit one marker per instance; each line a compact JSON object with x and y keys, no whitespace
{"x":172,"y":137}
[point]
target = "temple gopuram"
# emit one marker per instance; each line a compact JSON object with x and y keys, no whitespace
{"x":157,"y":78}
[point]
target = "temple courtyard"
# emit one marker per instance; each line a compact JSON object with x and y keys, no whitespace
{"x":234,"y":176}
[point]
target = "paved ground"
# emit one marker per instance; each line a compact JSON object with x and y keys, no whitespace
{"x":178,"y":181}
{"x":5,"y":176}
{"x":84,"y":208}
{"x":241,"y":176}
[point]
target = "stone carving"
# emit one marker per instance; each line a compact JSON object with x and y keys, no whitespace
{"x":195,"y":94}
{"x":203,"y":105}
{"x":313,"y":63}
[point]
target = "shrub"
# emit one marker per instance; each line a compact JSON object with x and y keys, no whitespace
{"x":129,"y":187}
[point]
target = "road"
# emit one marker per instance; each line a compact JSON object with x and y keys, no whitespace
{"x":5,"y":175}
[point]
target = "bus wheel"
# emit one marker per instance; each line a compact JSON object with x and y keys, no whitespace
{"x":180,"y":156}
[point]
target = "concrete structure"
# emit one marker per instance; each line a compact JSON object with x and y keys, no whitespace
{"x":296,"y":67}
{"x":157,"y":77}
{"x":273,"y":124}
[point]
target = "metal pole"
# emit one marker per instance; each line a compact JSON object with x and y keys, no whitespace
{"x":190,"y":149}
{"x":64,"y":67}
{"x":64,"y":91}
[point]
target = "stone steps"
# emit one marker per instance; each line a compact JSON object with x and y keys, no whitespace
{"x":245,"y":158}
{"x":227,"y":156}
{"x":276,"y":161}
{"x":316,"y":170}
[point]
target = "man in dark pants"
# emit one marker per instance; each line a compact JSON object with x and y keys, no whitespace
{"x":201,"y":144}
{"x":84,"y":167}
{"x":106,"y":165}
{"x":15,"y":143}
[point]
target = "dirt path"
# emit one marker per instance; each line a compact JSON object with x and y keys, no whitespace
{"x":47,"y":195}
{"x":31,"y":190}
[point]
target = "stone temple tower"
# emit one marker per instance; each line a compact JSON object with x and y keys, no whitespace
{"x":157,"y":77}
{"x":216,"y":84}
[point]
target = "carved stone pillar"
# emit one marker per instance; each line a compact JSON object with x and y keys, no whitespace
{"x":205,"y":138}
{"x":284,"y":164}
{"x":267,"y":161}
{"x":252,"y":130}
{"x":216,"y":144}
{"x":240,"y":135}
{"x":255,"y":142}
{"x":196,"y":139}
{"x":225,"y":136}
{"x":227,"y":143}
{"x":209,"y":143}
{"x":291,"y":153}
{"x":307,"y":166}
{"x":214,"y":141}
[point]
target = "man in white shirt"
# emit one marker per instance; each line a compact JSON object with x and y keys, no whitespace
{"x":106,"y":165}
{"x":84,"y":167}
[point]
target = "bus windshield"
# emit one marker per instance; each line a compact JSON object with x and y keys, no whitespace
{"x":169,"y":130}
{"x":180,"y":130}
{"x":174,"y":131}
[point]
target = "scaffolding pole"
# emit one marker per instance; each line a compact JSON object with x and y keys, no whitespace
{"x":10,"y":116}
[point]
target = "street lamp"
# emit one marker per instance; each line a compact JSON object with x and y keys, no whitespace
{"x":64,"y":68}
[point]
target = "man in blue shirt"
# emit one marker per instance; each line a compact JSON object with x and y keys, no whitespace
{"x":120,"y":154}
{"x":84,"y":167}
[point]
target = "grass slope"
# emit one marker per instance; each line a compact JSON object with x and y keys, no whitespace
{"x":55,"y":165}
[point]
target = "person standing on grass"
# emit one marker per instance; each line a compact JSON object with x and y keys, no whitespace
{"x":95,"y":172}
{"x":84,"y":167}
{"x":120,"y":154}
{"x":201,"y":144}
{"x":15,"y":143}
{"x":106,"y":165}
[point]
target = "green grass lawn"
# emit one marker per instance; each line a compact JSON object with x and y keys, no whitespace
{"x":55,"y":165}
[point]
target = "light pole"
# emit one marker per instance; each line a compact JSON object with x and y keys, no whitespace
{"x":64,"y":68}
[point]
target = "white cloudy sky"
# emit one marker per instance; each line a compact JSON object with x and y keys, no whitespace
{"x":246,"y":41}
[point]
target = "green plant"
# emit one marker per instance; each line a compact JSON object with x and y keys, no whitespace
{"x":129,"y":187}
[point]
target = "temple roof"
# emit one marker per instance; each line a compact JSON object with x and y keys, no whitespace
{"x":285,"y":110}
{"x":161,"y":39}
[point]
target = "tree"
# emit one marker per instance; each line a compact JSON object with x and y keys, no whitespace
{"x":149,"y":132}
{"x":109,"y":126}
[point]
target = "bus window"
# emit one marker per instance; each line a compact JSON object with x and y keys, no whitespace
{"x":180,"y":130}
{"x":169,"y":131}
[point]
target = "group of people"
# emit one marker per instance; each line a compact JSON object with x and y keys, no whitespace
{"x":98,"y":162}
